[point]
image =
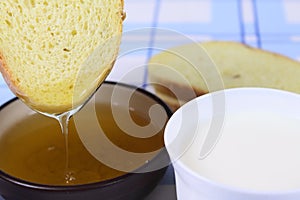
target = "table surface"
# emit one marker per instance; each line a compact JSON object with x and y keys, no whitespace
{"x":153,"y":25}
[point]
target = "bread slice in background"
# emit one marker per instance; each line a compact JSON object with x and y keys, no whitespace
{"x":53,"y":54}
{"x":176,"y":81}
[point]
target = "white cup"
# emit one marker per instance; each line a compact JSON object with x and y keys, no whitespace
{"x":237,"y":144}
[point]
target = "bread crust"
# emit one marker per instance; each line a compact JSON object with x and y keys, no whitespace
{"x":4,"y":69}
{"x":176,"y":90}
{"x":175,"y":94}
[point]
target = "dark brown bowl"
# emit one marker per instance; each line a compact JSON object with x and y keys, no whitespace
{"x":132,"y":185}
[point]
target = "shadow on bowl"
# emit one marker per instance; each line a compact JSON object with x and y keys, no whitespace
{"x":136,"y":156}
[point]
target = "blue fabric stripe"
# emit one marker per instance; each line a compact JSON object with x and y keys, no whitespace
{"x":152,"y":39}
{"x":256,"y":24}
{"x":242,"y":26}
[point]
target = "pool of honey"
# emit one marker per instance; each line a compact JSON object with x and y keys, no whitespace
{"x":34,"y":149}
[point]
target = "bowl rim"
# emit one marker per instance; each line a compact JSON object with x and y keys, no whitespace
{"x":27,"y":184}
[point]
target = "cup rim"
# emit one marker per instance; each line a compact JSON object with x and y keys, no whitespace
{"x":100,"y":184}
{"x":223,"y":186}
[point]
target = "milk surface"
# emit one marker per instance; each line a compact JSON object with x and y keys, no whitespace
{"x":257,"y":151}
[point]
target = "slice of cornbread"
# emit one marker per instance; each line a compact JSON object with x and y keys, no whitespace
{"x":176,"y":80}
{"x":54,"y":54}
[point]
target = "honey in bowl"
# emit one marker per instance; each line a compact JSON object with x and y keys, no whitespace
{"x":34,"y":149}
